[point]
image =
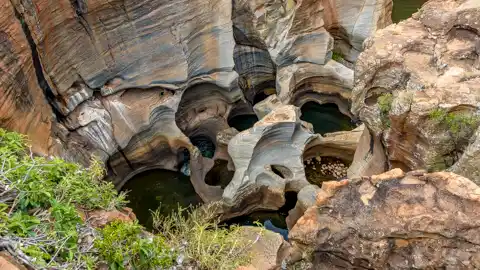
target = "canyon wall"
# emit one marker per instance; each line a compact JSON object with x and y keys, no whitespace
{"x":133,"y":82}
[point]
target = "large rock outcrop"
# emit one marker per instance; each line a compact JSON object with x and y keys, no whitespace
{"x":418,"y":88}
{"x":395,"y":221}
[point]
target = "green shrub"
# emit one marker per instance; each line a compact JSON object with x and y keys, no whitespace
{"x":457,"y":123}
{"x":384,"y":102}
{"x":337,"y":56}
{"x":197,"y":233}
{"x":39,"y":216}
{"x":123,"y":246}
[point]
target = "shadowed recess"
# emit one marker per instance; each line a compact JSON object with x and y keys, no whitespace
{"x":325,"y":118}
{"x":272,"y":220}
{"x":219,"y":175}
{"x":242,"y":122}
{"x":159,"y":189}
{"x":205,"y":145}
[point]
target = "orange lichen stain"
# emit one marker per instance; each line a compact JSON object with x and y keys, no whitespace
{"x":401,"y":243}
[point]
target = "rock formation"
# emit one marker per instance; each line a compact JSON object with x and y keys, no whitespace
{"x":417,"y":87}
{"x":268,"y":160}
{"x":23,"y":105}
{"x":116,"y":94}
{"x":395,"y":220}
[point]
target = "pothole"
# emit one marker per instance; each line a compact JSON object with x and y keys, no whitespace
{"x":321,"y":169}
{"x":242,"y":122}
{"x":268,"y":90}
{"x":204,"y":144}
{"x":272,"y":220}
{"x":326,"y":118}
{"x":219,"y":175}
{"x":159,"y":189}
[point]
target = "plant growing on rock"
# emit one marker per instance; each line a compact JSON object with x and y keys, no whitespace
{"x":125,"y":245}
{"x":41,"y":225}
{"x":460,"y":127}
{"x":384,"y":102}
{"x":39,"y":197}
{"x":200,"y":239}
{"x":337,"y":56}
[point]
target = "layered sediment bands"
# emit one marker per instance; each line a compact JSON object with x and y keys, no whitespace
{"x":394,"y":220}
{"x":115,"y":46}
{"x":256,"y":72}
{"x":23,"y":106}
{"x":351,"y":22}
{"x":297,"y":36}
{"x":426,"y":71}
{"x":268,"y":162}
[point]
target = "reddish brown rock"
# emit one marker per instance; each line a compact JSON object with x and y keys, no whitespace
{"x":23,"y":106}
{"x":100,"y":218}
{"x":7,"y":262}
{"x":402,"y":221}
{"x":418,"y":67}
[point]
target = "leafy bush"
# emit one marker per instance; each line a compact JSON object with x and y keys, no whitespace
{"x":457,"y":123}
{"x":385,"y":105}
{"x":38,"y":214}
{"x":40,"y":224}
{"x":123,"y":246}
{"x":337,"y":56}
{"x":196,"y":233}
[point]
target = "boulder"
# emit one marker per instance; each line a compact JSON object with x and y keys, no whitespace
{"x":417,"y":88}
{"x":395,"y":220}
{"x":265,"y":248}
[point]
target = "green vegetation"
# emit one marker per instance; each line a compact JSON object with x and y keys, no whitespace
{"x":458,"y":124}
{"x":197,"y":233}
{"x":41,"y":225}
{"x":460,"y":127}
{"x":122,"y":241}
{"x":41,"y":199}
{"x":385,"y":105}
{"x":337,"y":56}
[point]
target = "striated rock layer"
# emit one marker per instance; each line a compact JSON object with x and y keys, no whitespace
{"x":418,"y":88}
{"x":23,"y":106}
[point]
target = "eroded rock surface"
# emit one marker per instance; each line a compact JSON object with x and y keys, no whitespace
{"x":418,"y":87}
{"x":23,"y":105}
{"x":268,"y":162}
{"x":396,"y":220}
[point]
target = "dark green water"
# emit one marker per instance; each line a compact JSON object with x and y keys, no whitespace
{"x":325,"y":118}
{"x":243,"y":122}
{"x":152,"y":189}
{"x":403,"y":9}
{"x":205,"y":145}
{"x":271,"y":220}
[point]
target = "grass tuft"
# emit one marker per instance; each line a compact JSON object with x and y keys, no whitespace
{"x":196,"y":232}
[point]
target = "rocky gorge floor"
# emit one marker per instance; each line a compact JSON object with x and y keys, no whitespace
{"x":357,"y":139}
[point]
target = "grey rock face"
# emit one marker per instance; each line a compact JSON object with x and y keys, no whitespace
{"x":268,"y":161}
